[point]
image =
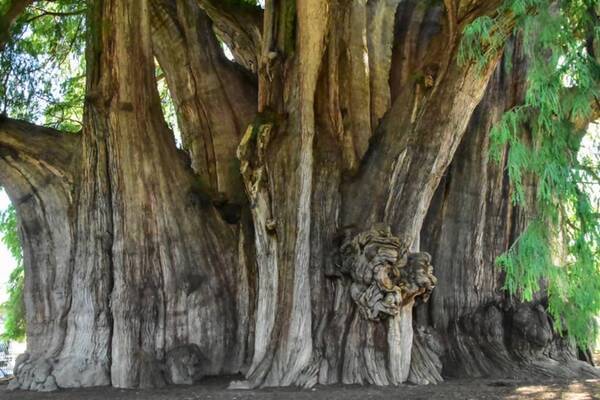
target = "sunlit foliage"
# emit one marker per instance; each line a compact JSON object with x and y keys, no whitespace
{"x":42,"y":66}
{"x":560,"y":250}
{"x":13,"y":310}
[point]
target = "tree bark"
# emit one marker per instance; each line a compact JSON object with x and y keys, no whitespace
{"x":148,"y":289}
{"x":38,"y":168}
{"x":284,"y":241}
{"x":214,"y":99}
{"x":471,"y":323}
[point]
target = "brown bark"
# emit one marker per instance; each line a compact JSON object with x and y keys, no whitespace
{"x":170,"y":267}
{"x":360,"y":142}
{"x":151,"y":268}
{"x":214,"y":99}
{"x":37,"y":169}
{"x":472,"y":327}
{"x":239,"y":26}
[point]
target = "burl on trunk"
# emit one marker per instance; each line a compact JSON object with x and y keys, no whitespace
{"x":283,"y":241}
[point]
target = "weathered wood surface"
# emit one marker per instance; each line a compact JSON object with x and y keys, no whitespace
{"x":289,"y":239}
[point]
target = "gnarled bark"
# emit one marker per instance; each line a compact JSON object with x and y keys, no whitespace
{"x":475,"y":328}
{"x":37,"y":169}
{"x":358,"y":150}
{"x":239,"y":26}
{"x":215,"y":101}
{"x":145,"y":267}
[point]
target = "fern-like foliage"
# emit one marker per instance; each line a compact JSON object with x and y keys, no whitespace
{"x":560,"y":250}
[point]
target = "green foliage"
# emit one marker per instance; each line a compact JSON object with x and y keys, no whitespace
{"x":481,"y":39}
{"x":42,"y":67}
{"x":561,"y":246}
{"x":13,"y":310}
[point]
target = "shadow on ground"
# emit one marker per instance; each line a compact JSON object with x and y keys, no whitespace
{"x":216,"y":389}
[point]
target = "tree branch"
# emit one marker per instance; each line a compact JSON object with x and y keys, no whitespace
{"x":239,"y":26}
{"x":412,"y":150}
{"x":467,"y":11}
{"x":57,"y":151}
{"x":214,"y":98}
{"x":44,"y":13}
{"x":15,"y":8}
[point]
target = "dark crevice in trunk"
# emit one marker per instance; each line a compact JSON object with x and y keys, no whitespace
{"x":290,"y":250}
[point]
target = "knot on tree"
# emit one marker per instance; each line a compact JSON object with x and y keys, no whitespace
{"x":252,"y":152}
{"x":384,"y":275}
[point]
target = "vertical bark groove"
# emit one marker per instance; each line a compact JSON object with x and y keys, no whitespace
{"x":472,"y":221}
{"x":284,"y":241}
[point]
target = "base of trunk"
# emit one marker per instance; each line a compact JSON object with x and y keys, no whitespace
{"x":497,"y":341}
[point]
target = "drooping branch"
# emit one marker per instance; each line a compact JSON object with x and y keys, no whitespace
{"x":239,"y":26}
{"x":480,"y":330}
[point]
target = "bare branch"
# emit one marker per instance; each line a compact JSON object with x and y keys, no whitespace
{"x":44,"y":13}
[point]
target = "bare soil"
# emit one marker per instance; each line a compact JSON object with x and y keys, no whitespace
{"x":216,"y":389}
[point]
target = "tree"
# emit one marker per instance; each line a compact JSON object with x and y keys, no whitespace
{"x":284,"y":239}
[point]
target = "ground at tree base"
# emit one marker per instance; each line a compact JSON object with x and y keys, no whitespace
{"x":216,"y":389}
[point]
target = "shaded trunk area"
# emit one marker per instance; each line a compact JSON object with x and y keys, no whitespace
{"x":331,"y":218}
{"x":471,"y":327}
{"x":138,"y":282}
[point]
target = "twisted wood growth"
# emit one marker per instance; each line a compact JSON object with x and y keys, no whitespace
{"x":147,"y":264}
{"x":385,"y":277}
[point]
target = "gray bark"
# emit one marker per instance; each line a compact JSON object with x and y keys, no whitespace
{"x":479,"y":330}
{"x":288,"y":239}
{"x":150,"y":267}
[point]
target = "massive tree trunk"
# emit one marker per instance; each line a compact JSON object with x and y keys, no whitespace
{"x":287,"y":240}
{"x":471,"y":322}
{"x":146,"y":289}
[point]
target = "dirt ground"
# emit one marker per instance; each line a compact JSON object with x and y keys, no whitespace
{"x":216,"y":389}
